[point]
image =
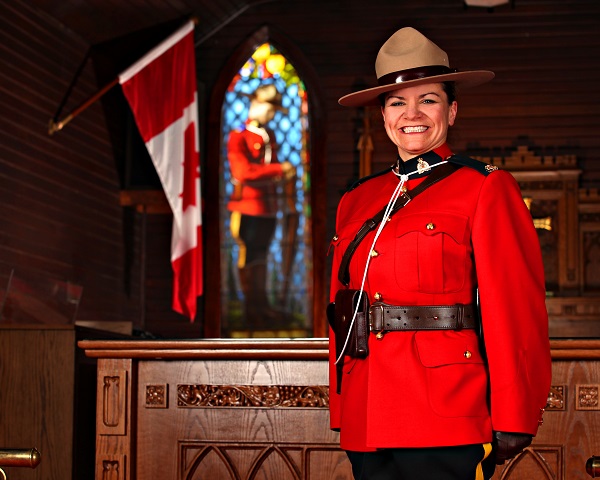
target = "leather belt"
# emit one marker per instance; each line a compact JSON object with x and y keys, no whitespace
{"x":388,"y":318}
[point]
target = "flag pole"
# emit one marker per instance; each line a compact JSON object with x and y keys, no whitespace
{"x":57,"y":125}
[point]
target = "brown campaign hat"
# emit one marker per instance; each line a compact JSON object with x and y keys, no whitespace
{"x":408,"y":58}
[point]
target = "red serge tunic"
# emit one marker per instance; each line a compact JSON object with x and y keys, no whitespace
{"x":422,"y":388}
{"x":255,"y":173}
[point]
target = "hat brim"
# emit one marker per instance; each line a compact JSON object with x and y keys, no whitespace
{"x":370,"y":96}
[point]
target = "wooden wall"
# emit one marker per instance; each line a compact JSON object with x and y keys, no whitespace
{"x":61,"y":211}
{"x":59,"y":194}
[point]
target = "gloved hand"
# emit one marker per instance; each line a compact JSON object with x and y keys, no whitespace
{"x":507,"y":445}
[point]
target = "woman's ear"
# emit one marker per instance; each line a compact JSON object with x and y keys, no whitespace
{"x":452,"y":113}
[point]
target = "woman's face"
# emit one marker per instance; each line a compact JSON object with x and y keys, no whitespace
{"x":417,"y":118}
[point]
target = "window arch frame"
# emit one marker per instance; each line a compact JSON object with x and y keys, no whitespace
{"x":210,"y":175}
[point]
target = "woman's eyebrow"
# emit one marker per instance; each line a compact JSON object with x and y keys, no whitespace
{"x":420,"y":96}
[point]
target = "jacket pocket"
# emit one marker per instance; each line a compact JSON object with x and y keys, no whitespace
{"x":431,"y":252}
{"x":456,"y":373}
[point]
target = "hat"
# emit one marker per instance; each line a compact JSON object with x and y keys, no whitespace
{"x":408,"y":58}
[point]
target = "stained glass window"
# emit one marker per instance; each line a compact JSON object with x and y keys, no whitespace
{"x":266,"y":294}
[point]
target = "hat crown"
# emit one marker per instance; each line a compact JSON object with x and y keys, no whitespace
{"x":407,"y":49}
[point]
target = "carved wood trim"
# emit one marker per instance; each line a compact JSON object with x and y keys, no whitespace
{"x":259,"y":396}
{"x":587,"y":397}
{"x":157,"y":396}
{"x":116,"y":387}
{"x":557,"y":398}
{"x":248,"y":460}
{"x":113,"y":392}
{"x":538,"y":461}
{"x":111,"y":467}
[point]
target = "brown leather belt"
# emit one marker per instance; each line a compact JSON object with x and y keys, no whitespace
{"x":388,"y":318}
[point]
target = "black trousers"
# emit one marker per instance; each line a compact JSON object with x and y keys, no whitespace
{"x":257,"y":235}
{"x":464,"y":462}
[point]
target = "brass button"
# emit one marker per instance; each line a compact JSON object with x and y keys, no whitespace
{"x":467,"y":354}
{"x":374,"y":253}
{"x":378,"y":296}
{"x":335,"y":238}
{"x":257,"y":146}
{"x":404,"y":189}
{"x":430,"y":226}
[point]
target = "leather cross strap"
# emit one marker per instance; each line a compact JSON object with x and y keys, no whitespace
{"x":438,"y":174}
{"x":389,"y":318}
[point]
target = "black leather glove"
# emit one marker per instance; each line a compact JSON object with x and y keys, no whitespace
{"x":507,"y":445}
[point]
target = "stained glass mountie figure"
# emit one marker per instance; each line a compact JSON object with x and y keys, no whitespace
{"x":288,"y":283}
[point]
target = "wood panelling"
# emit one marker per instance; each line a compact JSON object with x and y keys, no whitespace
{"x":62,"y":215}
{"x":37,"y":377}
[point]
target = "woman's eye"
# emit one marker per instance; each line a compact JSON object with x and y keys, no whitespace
{"x":429,"y":100}
{"x":396,"y":103}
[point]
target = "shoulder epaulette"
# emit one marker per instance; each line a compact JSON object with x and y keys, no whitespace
{"x":369,"y":177}
{"x":481,"y":167}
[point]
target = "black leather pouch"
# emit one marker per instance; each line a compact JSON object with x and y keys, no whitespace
{"x":340,"y":317}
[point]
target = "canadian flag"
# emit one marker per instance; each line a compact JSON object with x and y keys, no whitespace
{"x":161,"y":90}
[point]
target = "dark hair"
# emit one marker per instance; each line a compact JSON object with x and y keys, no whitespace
{"x":448,"y":87}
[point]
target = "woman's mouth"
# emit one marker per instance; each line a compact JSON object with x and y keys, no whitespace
{"x":417,"y":129}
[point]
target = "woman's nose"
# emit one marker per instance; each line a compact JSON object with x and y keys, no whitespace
{"x":413,"y":110}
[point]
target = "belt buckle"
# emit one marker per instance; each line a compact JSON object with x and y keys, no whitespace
{"x":376,"y":319}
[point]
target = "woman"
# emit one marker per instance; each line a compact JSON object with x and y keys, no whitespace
{"x":441,"y":394}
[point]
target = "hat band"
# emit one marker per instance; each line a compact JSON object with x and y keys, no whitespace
{"x":414,"y":74}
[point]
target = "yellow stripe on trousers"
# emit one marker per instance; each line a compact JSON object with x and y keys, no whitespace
{"x":487,"y":449}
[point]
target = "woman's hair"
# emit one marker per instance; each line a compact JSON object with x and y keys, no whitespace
{"x":448,"y":87}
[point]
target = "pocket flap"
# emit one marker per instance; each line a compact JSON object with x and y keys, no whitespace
{"x":433,"y":224}
{"x":441,"y":347}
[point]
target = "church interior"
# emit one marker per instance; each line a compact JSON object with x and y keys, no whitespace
{"x":106,"y":380}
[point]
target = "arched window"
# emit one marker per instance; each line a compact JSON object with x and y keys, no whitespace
{"x":265,"y":213}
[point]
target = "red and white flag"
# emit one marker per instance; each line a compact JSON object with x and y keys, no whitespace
{"x":161,"y":90}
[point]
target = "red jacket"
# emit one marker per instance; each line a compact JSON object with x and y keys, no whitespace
{"x":419,"y":389}
{"x":254,"y":176}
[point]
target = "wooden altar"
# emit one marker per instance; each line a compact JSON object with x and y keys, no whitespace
{"x":257,"y":409}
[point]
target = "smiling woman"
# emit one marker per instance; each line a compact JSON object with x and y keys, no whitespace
{"x":434,"y":283}
{"x":417,"y":118}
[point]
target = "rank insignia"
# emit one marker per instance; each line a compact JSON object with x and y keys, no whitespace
{"x":491,"y":168}
{"x":422,"y":166}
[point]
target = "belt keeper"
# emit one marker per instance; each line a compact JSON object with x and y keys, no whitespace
{"x":376,"y":318}
{"x":460,"y":316}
